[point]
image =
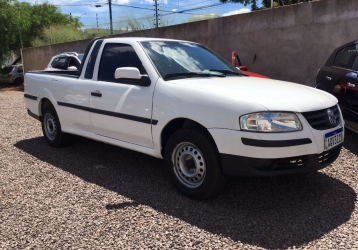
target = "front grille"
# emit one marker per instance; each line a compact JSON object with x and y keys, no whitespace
{"x":319,"y":119}
{"x":329,"y":155}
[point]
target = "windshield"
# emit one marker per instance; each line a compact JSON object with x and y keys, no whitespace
{"x":185,"y":59}
{"x":7,"y":69}
{"x":80,"y":56}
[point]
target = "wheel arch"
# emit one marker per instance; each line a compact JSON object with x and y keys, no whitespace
{"x":180,"y":123}
{"x":43,"y":103}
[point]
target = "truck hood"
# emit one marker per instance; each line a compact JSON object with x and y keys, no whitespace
{"x":273,"y":95}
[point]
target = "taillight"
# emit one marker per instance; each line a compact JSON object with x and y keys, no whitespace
{"x":9,"y":75}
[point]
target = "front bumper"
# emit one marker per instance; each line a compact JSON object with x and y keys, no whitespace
{"x":234,"y":165}
{"x":246,"y":153}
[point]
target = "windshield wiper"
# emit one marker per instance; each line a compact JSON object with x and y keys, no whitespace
{"x":191,"y":74}
{"x":225,"y":71}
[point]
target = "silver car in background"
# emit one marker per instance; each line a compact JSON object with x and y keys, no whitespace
{"x":13,"y":74}
{"x":65,"y":61}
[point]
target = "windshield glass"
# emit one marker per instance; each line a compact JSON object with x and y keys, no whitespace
{"x":174,"y":58}
{"x":6,"y":69}
{"x":80,"y":56}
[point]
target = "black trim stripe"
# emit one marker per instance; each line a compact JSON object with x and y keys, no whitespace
{"x":274,"y":144}
{"x":30,"y":97}
{"x":109,"y":113}
{"x":69,"y":105}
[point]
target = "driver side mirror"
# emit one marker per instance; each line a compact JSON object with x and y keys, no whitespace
{"x":133,"y":74}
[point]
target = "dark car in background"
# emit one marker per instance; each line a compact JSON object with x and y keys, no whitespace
{"x":339,"y":77}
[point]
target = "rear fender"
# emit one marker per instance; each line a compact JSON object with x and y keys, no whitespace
{"x":46,"y":94}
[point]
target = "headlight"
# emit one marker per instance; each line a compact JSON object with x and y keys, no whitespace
{"x":270,"y":122}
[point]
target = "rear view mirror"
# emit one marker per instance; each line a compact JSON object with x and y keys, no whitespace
{"x":132,"y":73}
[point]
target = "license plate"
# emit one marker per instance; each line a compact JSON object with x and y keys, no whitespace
{"x":333,"y":138}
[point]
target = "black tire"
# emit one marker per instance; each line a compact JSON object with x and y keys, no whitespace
{"x":18,"y":81}
{"x":193,"y":163}
{"x":51,"y":128}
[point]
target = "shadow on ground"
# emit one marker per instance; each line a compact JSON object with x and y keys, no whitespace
{"x":270,"y":213}
{"x":351,"y":141}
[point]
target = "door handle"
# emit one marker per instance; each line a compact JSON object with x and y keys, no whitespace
{"x":328,"y":78}
{"x":97,"y":93}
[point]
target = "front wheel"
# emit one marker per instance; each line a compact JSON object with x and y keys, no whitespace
{"x":193,"y":163}
{"x":51,"y":128}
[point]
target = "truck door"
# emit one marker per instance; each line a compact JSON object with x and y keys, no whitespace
{"x":121,"y":109}
{"x":73,"y":95}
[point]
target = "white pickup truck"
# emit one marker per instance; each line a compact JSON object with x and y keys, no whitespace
{"x":180,"y":101}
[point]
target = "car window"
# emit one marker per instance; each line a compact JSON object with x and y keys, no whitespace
{"x":59,"y":63}
{"x":7,"y":69}
{"x":20,"y":69}
{"x":115,"y":56}
{"x":72,"y":62}
{"x":338,"y":56}
{"x":176,"y":57}
{"x":92,"y":60}
{"x":348,"y":57}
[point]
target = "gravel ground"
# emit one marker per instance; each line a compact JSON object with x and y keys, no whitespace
{"x":90,"y":195}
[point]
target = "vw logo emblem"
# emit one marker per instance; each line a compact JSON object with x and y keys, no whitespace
{"x":332,"y":117}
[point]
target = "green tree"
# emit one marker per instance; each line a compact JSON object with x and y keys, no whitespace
{"x":265,"y":3}
{"x":60,"y":34}
{"x":21,"y":23}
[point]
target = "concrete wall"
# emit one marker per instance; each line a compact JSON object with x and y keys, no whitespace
{"x":287,"y":43}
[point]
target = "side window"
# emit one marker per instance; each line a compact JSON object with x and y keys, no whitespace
{"x":92,"y":60}
{"x":72,"y":62}
{"x":19,"y":69}
{"x":338,"y":56}
{"x":115,"y":56}
{"x":348,"y":57}
{"x":59,"y":63}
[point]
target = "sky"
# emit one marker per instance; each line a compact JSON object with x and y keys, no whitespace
{"x":142,"y":10}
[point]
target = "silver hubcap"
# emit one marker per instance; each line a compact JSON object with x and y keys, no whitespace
{"x":50,"y":126}
{"x":189,"y":164}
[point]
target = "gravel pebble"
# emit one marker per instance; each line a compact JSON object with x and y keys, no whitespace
{"x":90,"y":195}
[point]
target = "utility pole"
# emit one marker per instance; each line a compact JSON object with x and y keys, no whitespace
{"x":156,"y":13}
{"x":110,"y":15}
{"x":97,"y":25}
{"x":271,"y":4}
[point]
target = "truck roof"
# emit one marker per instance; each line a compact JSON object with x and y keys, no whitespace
{"x":142,"y":39}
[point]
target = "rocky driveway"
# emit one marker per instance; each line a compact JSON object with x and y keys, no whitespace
{"x":91,"y":195}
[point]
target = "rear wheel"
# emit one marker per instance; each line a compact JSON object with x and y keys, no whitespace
{"x":51,"y":128}
{"x":193,"y":164}
{"x":18,"y":81}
